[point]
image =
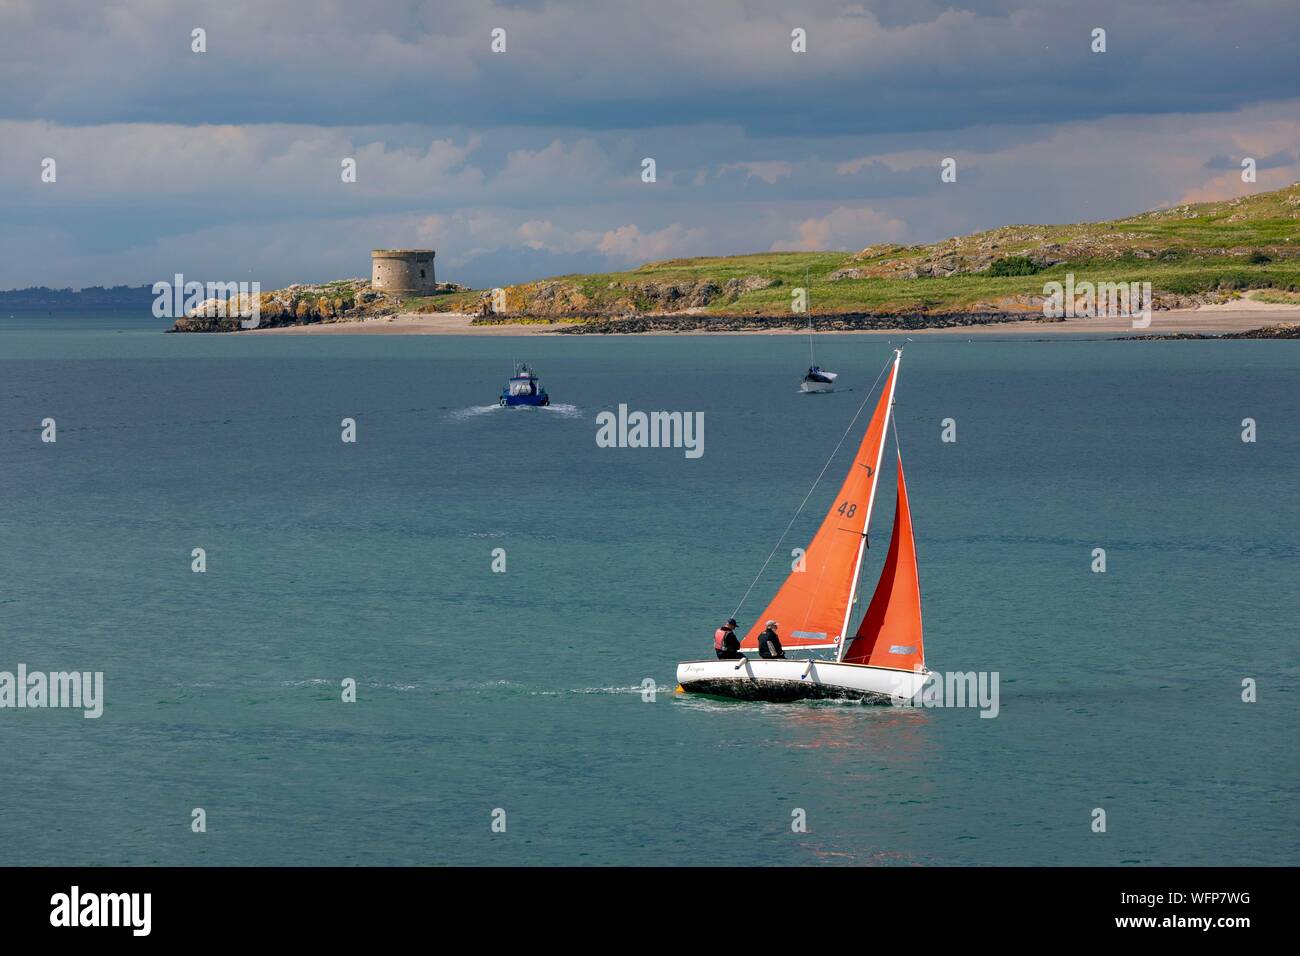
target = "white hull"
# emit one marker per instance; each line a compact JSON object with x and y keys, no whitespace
{"x":787,"y":680}
{"x":811,"y":386}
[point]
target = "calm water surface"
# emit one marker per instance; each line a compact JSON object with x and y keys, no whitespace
{"x":521,"y":690}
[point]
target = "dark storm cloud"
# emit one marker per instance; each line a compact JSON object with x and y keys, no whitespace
{"x":1273,"y":161}
{"x":873,"y":68}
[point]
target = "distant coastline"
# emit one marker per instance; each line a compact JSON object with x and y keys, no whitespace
{"x":88,"y":298}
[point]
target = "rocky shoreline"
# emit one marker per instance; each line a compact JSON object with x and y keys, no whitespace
{"x":839,"y":322}
{"x":345,"y":300}
{"x":1285,"y":330}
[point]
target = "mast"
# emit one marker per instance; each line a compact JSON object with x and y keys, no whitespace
{"x":812,"y":354}
{"x":866,"y":525}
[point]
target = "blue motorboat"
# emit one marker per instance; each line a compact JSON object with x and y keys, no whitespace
{"x":524,"y":388}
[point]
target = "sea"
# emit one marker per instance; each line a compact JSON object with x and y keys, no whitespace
{"x":507,"y":600}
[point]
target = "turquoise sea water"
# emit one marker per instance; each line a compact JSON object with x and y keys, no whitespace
{"x":521,"y":690}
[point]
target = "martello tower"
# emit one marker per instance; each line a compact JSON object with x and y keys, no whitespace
{"x":407,"y":271}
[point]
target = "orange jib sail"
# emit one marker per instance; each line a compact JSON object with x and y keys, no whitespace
{"x":890,"y":634}
{"x":812,"y":605}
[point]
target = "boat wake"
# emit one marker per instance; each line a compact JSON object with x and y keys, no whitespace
{"x":566,"y":691}
{"x":558,"y":409}
{"x":562,"y":410}
{"x":330,"y":682}
{"x":516,"y":688}
{"x":634,"y":689}
{"x":474,"y":411}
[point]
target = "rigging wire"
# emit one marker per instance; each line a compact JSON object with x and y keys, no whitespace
{"x":820,"y":475}
{"x":893,"y":423}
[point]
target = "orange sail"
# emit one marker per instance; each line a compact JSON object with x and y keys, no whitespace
{"x":890,"y":634}
{"x":812,"y":606}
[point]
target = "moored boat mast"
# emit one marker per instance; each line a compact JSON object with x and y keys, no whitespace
{"x":812,"y":352}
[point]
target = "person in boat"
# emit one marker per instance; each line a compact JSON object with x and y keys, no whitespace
{"x":769,"y":645}
{"x":725,"y":642}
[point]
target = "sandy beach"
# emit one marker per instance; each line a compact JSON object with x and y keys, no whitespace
{"x":435,"y":323}
{"x":1238,"y":316}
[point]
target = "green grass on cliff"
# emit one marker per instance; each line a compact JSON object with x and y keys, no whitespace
{"x":1192,"y":276}
{"x":977,"y":292}
{"x":1248,"y":243}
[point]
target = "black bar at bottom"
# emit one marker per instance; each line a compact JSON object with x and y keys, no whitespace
{"x":619,"y":906}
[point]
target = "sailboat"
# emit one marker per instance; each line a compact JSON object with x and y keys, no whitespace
{"x":884,"y":659}
{"x":816,"y":380}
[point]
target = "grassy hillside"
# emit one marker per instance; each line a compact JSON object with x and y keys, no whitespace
{"x":1188,"y":253}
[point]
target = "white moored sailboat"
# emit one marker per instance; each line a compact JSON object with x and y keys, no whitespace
{"x":816,"y":379}
{"x":884,"y":659}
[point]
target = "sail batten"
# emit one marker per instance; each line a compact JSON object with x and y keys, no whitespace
{"x":815,"y":603}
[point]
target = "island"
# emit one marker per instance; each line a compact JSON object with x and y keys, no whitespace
{"x":1227,"y":267}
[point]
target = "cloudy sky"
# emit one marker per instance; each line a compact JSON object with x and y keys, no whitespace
{"x":227,"y":164}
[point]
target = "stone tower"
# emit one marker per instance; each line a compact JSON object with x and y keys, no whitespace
{"x":405,"y":271}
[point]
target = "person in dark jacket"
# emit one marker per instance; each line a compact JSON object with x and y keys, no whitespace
{"x":725,"y":642}
{"x":769,"y":645}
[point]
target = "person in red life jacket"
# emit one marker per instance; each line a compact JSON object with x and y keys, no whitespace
{"x":769,"y":645}
{"x":725,"y":642}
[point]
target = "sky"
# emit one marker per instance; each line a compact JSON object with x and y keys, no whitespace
{"x":227,"y":165}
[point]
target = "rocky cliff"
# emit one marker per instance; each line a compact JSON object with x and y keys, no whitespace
{"x":342,"y":301}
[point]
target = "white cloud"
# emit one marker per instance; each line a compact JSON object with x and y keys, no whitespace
{"x":130,"y":162}
{"x":557,"y":168}
{"x":631,"y":245}
{"x":842,"y":228}
{"x":768,"y":172}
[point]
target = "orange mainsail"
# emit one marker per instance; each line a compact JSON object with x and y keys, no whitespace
{"x":890,"y":634}
{"x":812,"y":606}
